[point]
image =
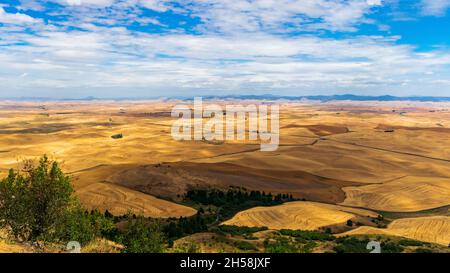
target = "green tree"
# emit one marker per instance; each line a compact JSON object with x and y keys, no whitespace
{"x":33,"y":200}
{"x":142,"y":237}
{"x":81,"y":226}
{"x":37,"y":203}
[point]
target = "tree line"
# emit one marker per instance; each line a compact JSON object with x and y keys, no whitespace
{"x":233,"y":200}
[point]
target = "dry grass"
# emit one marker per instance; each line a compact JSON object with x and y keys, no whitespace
{"x":102,"y":246}
{"x":8,"y":247}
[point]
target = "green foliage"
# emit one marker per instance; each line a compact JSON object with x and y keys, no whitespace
{"x":307,"y":235}
{"x":280,"y":245}
{"x":391,"y":247}
{"x":81,"y":226}
{"x":236,"y":230}
{"x":142,"y":237}
{"x":76,"y":226}
{"x":37,"y":203}
{"x":423,"y":250}
{"x":177,"y":228}
{"x":34,"y":200}
{"x":235,"y":200}
{"x":409,"y":242}
{"x":187,"y":248}
{"x":243,"y":245}
{"x":351,"y":245}
{"x":286,"y":245}
{"x":355,"y":245}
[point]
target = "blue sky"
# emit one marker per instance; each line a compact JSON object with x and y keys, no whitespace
{"x":147,"y":48}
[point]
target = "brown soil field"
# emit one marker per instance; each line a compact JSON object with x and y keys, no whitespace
{"x":389,"y":156}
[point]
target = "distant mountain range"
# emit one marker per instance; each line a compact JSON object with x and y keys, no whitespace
{"x":323,"y":98}
{"x":334,"y":98}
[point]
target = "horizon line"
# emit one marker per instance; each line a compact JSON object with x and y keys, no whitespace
{"x":245,"y":97}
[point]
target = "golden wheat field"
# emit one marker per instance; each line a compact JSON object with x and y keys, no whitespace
{"x":349,"y":160}
{"x":404,"y":194}
{"x":433,"y":229}
{"x":297,"y":215}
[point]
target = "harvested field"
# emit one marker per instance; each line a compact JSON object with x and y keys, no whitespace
{"x":333,"y":152}
{"x":119,"y":201}
{"x":434,"y":229}
{"x":171,"y":179}
{"x":296,"y":215}
{"x":407,"y":194}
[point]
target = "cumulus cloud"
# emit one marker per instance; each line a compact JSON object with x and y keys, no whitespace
{"x":15,"y":18}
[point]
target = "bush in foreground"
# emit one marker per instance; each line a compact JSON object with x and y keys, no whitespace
{"x":33,"y":200}
{"x":37,"y":204}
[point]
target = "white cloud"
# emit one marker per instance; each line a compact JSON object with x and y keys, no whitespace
{"x":157,"y":5}
{"x":435,"y":7}
{"x":118,"y":58}
{"x":374,"y":2}
{"x":102,"y":3}
{"x":242,"y":46}
{"x":249,"y":15}
{"x":278,"y":15}
{"x":15,"y":18}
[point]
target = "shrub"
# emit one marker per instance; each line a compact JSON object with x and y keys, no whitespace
{"x":142,"y":237}
{"x":81,"y":226}
{"x":76,"y":226}
{"x":287,"y":245}
{"x":237,"y":230}
{"x":351,"y":245}
{"x":354,"y":245}
{"x":423,"y":250}
{"x":307,"y":235}
{"x":37,"y":203}
{"x":388,"y":247}
{"x":188,"y":248}
{"x":409,"y":242}
{"x":349,"y":223}
{"x":34,"y":200}
{"x":280,"y":245}
{"x":243,"y":245}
